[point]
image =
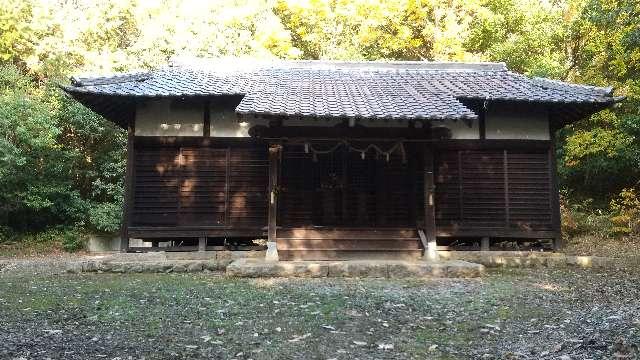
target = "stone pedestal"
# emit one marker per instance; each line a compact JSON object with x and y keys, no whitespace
{"x":272,"y":251}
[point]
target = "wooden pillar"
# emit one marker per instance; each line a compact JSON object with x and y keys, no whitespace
{"x":505,"y":169}
{"x":429,"y":206}
{"x":381,"y":210}
{"x":275,"y":152}
{"x":482,"y":125}
{"x":413,"y":190}
{"x":554,"y":194}
{"x":129,"y":182}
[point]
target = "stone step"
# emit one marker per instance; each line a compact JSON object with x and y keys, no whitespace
{"x":360,"y":269}
{"x":353,"y":254}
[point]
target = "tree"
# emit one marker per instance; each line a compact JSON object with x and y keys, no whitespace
{"x":602,"y":153}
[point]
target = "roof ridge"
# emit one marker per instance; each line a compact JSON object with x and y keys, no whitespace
{"x":557,"y":85}
{"x":106,"y":79}
{"x":242,"y":64}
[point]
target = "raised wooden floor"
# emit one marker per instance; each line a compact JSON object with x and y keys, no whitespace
{"x":348,"y":243}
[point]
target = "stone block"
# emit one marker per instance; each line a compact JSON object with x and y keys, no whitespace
{"x":417,"y":270}
{"x":195,"y":266}
{"x":372,"y":269}
{"x":260,"y":268}
{"x":234,"y":255}
{"x":179,"y":269}
{"x":214,"y":265}
{"x":556,"y":261}
{"x":464,"y":269}
{"x":191,"y":255}
{"x":73,"y":268}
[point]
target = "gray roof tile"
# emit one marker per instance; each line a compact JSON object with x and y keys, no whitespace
{"x":406,"y":90}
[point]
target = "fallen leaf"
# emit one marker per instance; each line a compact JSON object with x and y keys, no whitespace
{"x":298,"y":338}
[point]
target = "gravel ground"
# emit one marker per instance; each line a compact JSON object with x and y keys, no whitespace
{"x":515,"y":314}
{"x":54,"y":264}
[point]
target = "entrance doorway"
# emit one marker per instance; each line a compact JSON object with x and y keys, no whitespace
{"x":334,"y":186}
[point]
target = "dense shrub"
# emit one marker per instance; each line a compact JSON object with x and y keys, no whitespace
{"x":625,"y":212}
{"x":72,"y":241}
{"x":60,"y":164}
{"x":581,"y":218}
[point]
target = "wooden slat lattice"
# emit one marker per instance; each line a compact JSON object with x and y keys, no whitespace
{"x":493,"y":190}
{"x":201,"y":186}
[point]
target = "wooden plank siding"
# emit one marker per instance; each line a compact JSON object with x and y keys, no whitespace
{"x":493,"y":192}
{"x":194,"y":187}
{"x":200,"y":186}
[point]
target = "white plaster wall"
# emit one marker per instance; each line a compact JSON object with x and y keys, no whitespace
{"x":225,"y":122}
{"x":512,"y":121}
{"x":164,"y":118}
{"x":460,"y":129}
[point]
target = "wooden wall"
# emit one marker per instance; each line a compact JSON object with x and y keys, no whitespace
{"x":200,"y":184}
{"x":493,"y":192}
{"x":483,"y":188}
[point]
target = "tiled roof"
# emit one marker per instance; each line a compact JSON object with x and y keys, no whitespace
{"x":405,"y":90}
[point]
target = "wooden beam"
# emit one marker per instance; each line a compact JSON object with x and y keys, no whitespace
{"x":275,"y":154}
{"x":460,"y":187}
{"x":454,"y":232}
{"x":176,"y":232}
{"x":554,"y":193}
{"x":380,"y":195}
{"x":490,"y":144}
{"x":413,"y":192}
{"x":452,"y":144}
{"x":129,"y":181}
{"x":482,"y":125}
{"x":505,"y":169}
{"x":202,"y":243}
{"x":206,"y":124}
{"x":227,"y":188}
{"x":429,"y":203}
{"x":340,"y":132}
{"x":345,"y":186}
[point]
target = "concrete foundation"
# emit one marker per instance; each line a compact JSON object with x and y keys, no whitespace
{"x":109,"y":243}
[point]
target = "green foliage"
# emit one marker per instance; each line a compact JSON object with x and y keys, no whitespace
{"x":583,"y":218}
{"x":72,"y":241}
{"x":626,"y":212}
{"x":41,"y":241}
{"x":362,"y":29}
{"x":6,"y":234}
{"x":601,"y":155}
{"x":105,"y":217}
{"x":59,"y":160}
{"x":526,"y":34}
